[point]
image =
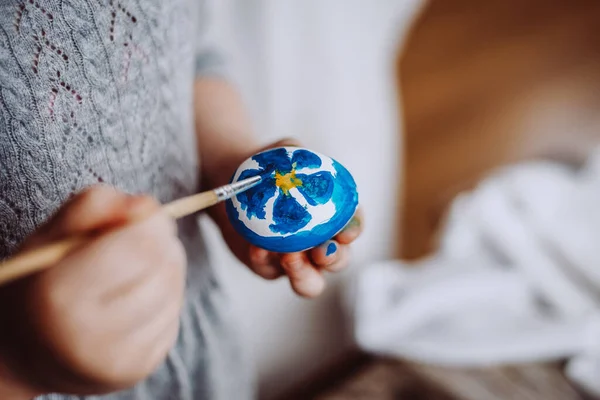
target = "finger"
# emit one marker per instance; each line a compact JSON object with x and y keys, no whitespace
{"x":165,"y":313}
{"x":325,"y":254}
{"x":96,"y":208}
{"x":264,"y":263}
{"x":164,"y":343}
{"x":101,"y":203}
{"x":129,"y":305}
{"x":291,"y":142}
{"x":100,"y":209}
{"x":119,"y":257}
{"x":304,"y":278}
{"x":352,"y":230}
{"x":168,"y":285}
{"x":153,"y":275}
{"x":153,"y":341}
{"x":342,"y":261}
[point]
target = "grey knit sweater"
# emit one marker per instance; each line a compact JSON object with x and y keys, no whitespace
{"x":100,"y":91}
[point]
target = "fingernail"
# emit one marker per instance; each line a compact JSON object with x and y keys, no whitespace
{"x":330,"y":249}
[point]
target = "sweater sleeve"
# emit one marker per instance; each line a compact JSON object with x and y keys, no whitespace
{"x":211,"y":59}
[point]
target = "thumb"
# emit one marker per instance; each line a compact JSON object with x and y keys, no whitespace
{"x":291,"y":142}
{"x":96,"y":208}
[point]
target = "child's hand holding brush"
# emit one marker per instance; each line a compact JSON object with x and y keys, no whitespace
{"x":105,"y":316}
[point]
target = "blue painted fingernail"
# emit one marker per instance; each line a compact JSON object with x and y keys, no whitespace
{"x":331,"y":248}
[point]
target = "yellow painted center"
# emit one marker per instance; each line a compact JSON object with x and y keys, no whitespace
{"x":287,"y":182}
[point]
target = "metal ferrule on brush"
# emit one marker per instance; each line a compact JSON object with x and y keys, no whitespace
{"x":228,"y":191}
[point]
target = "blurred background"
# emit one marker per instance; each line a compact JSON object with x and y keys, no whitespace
{"x":423,"y":101}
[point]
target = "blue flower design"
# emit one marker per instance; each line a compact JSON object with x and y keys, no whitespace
{"x":278,"y":169}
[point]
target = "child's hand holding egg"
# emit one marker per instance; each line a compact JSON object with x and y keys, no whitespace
{"x":298,"y":222}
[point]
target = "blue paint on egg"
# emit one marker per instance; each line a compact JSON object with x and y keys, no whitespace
{"x":289,"y":216}
{"x":317,"y":188}
{"x":305,"y":159}
{"x":253,"y":201}
{"x":272,"y":160}
{"x":303,"y":201}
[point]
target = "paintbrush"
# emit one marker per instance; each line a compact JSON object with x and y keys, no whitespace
{"x":44,"y":257}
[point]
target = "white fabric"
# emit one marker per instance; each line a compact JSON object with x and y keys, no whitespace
{"x":516,"y":279}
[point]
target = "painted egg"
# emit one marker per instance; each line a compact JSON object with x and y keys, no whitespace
{"x":303,"y":200}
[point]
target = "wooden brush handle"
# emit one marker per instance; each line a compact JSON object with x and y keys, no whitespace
{"x":44,"y":257}
{"x":38,"y":259}
{"x":191,"y":204}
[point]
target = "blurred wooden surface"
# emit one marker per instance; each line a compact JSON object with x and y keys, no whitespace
{"x":392,"y":380}
{"x":485,"y":83}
